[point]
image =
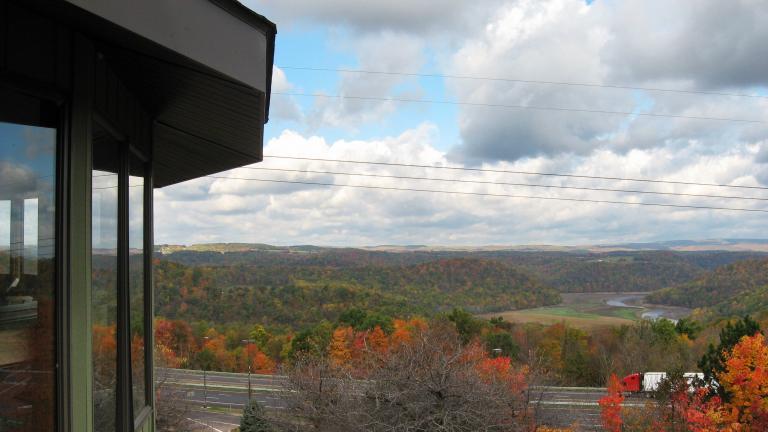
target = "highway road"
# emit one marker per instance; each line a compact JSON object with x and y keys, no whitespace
{"x":221,"y":389}
{"x":563,"y":407}
{"x":227,"y":393}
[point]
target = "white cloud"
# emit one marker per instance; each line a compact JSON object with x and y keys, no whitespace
{"x":284,"y":107}
{"x":708,"y":43}
{"x":714,"y":46}
{"x":251,"y":211}
{"x":386,"y":51}
{"x":606,"y":43}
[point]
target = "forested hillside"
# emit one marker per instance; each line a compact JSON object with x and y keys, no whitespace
{"x":732,"y":290}
{"x":304,"y":295}
{"x":575,"y":271}
{"x":607,"y":272}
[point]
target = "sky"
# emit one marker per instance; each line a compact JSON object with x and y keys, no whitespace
{"x":483,"y":61}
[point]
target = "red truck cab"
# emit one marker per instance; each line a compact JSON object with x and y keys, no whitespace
{"x":632,"y":383}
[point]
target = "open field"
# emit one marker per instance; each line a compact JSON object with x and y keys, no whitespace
{"x":591,"y":310}
{"x":544,"y":316}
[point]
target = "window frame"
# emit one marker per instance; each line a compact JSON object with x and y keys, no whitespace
{"x":126,"y":415}
{"x":61,"y":109}
{"x":131,"y":151}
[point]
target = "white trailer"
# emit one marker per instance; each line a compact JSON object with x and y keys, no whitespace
{"x":651,"y":380}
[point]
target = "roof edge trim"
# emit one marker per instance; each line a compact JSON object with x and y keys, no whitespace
{"x":247,"y":15}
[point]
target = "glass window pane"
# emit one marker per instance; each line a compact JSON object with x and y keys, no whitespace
{"x":31,"y":236}
{"x":104,"y":279}
{"x":5,"y":236}
{"x":136,"y":277}
{"x":27,"y":280}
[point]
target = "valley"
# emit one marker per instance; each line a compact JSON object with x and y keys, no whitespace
{"x":592,"y":310}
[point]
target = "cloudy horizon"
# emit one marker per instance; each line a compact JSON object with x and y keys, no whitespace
{"x":621,"y":50}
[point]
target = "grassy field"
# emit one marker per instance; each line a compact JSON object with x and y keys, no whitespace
{"x":583,"y":310}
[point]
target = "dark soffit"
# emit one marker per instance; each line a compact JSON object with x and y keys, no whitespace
{"x":205,"y":121}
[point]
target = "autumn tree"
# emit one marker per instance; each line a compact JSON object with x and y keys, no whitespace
{"x":400,"y":332}
{"x":610,"y":406}
{"x":377,"y":340}
{"x":713,"y":361}
{"x":260,"y":335}
{"x":259,"y":362}
{"x":339,"y":350}
{"x":433,"y":382}
{"x":746,"y":381}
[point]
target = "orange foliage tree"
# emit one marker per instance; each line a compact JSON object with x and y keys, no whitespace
{"x":403,"y":330}
{"x":377,"y":340}
{"x":610,"y":406}
{"x":746,"y":380}
{"x":260,"y":362}
{"x":501,"y":369}
{"x":339,"y":350}
{"x":217,"y":345}
{"x":174,"y":341}
{"x":701,"y":412}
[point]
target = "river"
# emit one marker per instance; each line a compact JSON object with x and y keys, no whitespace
{"x":649,"y":311}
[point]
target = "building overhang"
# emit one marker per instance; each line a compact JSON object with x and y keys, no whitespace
{"x":202,"y":69}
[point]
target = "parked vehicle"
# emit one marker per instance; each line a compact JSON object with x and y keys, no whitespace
{"x":648,"y":382}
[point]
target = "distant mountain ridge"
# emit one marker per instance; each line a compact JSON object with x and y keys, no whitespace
{"x":755,"y":245}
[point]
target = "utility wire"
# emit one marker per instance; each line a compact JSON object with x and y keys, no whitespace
{"x":493,"y":194}
{"x":525,"y":81}
{"x":683,"y":194}
{"x":526,"y":107}
{"x":113,"y":187}
{"x":546,"y":174}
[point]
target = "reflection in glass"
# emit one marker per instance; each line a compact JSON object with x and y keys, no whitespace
{"x":5,"y":236}
{"x":136,"y":280}
{"x":31,"y":237}
{"x":104,"y":280}
{"x":27,"y":277}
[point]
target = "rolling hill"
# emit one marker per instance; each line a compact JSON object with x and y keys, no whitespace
{"x":297,"y":296}
{"x":732,"y":290}
{"x":567,"y":271}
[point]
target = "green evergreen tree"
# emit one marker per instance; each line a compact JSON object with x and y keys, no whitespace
{"x":503,"y":341}
{"x":713,"y":361}
{"x":255,"y":419}
{"x":688,"y":327}
{"x":466,"y":324}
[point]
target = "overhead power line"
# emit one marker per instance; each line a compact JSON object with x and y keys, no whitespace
{"x":593,"y":189}
{"x":545,"y":174}
{"x":488,"y":194}
{"x":526,"y":81}
{"x":522,"y":107}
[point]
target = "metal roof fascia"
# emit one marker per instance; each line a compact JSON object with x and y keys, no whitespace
{"x":221,"y":34}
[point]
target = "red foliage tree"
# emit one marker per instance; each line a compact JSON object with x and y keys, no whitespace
{"x":610,"y":406}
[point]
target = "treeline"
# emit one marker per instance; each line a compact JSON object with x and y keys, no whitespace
{"x":732,"y":290}
{"x":294,"y":297}
{"x":565,"y":271}
{"x":560,"y":355}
